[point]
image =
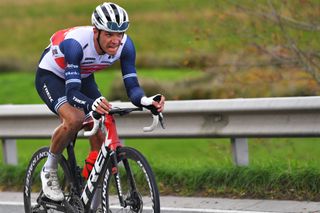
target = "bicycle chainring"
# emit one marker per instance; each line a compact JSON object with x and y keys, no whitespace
{"x":76,"y":204}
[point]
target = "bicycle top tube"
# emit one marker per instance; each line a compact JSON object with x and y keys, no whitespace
{"x":113,"y":111}
{"x":123,"y":111}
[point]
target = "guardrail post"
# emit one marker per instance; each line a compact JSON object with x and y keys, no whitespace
{"x":9,"y":148}
{"x":240,"y":151}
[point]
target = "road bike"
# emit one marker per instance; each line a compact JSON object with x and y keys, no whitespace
{"x":121,"y":179}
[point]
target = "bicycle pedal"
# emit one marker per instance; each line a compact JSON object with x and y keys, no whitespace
{"x":47,"y":203}
{"x":48,"y":200}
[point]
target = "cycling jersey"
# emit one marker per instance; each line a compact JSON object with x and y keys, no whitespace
{"x":72,"y":56}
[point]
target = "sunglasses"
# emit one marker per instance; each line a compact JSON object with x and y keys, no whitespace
{"x":116,"y":28}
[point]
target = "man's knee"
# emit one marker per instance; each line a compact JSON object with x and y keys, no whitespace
{"x":73,"y":121}
{"x":72,"y":118}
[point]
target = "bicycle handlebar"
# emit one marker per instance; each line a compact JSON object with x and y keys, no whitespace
{"x":98,"y":120}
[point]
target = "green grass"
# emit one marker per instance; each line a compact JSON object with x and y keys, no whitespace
{"x":20,"y":85}
{"x":285,"y":168}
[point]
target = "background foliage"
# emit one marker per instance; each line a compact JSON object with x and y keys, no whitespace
{"x":243,"y":48}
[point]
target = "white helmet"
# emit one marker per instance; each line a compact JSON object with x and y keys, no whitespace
{"x":110,"y":17}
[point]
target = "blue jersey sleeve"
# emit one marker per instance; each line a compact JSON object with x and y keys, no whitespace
{"x":129,"y":74}
{"x":73,"y":54}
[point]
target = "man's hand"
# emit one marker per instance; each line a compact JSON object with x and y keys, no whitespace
{"x":101,"y":105}
{"x":154,"y":103}
{"x":159,"y":104}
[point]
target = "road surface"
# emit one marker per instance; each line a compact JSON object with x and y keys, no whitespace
{"x":12,"y":202}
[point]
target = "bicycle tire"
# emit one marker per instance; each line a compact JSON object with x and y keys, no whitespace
{"x":145,"y":199}
{"x":32,"y":183}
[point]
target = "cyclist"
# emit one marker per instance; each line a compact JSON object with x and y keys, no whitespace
{"x":65,"y":82}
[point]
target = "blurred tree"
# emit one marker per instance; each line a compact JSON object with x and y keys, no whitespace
{"x":289,"y":20}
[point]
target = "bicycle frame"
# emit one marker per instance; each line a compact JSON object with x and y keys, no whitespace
{"x":106,"y":153}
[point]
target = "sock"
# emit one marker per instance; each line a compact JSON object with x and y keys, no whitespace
{"x":52,"y":161}
{"x":89,"y":163}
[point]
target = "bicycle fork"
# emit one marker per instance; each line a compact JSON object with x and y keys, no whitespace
{"x":115,"y":173}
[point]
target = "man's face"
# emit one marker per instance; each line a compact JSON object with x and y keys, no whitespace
{"x":110,"y":41}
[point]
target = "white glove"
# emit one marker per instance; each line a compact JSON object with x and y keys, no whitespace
{"x":97,"y":102}
{"x":147,"y":101}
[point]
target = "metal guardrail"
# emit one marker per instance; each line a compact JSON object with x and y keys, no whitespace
{"x":237,"y":119}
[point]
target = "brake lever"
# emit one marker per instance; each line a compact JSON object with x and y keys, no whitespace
{"x":102,"y":125}
{"x":161,"y":119}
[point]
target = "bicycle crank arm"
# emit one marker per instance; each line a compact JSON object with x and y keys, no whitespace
{"x":63,"y":206}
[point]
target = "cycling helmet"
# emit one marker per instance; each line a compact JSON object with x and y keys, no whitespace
{"x":110,"y":17}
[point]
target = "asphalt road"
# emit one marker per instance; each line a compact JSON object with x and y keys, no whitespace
{"x":12,"y":202}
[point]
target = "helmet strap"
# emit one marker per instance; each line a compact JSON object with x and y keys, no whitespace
{"x":98,"y":40}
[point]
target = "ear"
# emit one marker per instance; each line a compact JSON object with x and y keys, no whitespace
{"x":95,"y":30}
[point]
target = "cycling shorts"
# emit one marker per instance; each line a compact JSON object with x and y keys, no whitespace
{"x":51,"y":89}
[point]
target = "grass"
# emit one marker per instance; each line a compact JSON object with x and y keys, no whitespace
{"x":20,"y":85}
{"x":279,"y":168}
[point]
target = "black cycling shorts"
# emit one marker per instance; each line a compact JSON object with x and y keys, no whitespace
{"x":51,"y":89}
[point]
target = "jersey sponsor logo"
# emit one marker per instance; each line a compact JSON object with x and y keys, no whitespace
{"x":68,"y":73}
{"x":82,"y":102}
{"x":72,"y":66}
{"x":90,"y":58}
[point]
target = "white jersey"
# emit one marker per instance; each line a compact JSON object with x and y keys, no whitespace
{"x":91,"y":61}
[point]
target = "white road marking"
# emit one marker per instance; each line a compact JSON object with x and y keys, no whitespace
{"x":9,"y":203}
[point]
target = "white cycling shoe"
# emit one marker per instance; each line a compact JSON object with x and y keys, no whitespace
{"x":50,"y":184}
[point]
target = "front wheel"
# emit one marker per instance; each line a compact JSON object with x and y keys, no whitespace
{"x":138,"y":185}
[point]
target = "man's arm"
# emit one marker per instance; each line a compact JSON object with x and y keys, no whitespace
{"x":73,"y":54}
{"x":129,"y":74}
{"x":134,"y":91}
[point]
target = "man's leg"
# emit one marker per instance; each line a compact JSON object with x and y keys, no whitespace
{"x":71,"y":123}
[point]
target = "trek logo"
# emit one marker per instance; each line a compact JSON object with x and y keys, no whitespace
{"x":94,"y":175}
{"x":78,"y":100}
{"x":45,"y":88}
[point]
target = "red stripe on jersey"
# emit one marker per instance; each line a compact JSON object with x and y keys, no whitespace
{"x":59,"y":36}
{"x":56,"y":39}
{"x":93,"y":67}
{"x":61,"y":62}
